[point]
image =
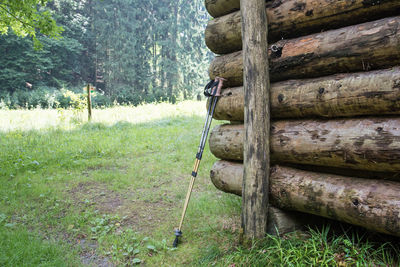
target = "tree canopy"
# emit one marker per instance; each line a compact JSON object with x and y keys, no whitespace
{"x":26,"y":17}
{"x":133,"y":51}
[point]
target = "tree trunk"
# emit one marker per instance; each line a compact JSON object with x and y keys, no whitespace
{"x":368,"y":203}
{"x":290,"y":18}
{"x":228,"y":177}
{"x":373,"y":204}
{"x":371,"y":144}
{"x":371,"y":45}
{"x":342,"y":95}
{"x":256,"y":138}
{"x":217,"y":8}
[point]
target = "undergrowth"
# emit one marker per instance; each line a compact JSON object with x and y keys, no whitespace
{"x":315,"y":247}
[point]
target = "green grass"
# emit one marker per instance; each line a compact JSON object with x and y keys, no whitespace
{"x":316,"y":247}
{"x":111,"y":191}
{"x":19,"y":247}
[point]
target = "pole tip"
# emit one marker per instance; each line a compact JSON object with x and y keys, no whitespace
{"x":178,"y":233}
{"x":175,"y":244}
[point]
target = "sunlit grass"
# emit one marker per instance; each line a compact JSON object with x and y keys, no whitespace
{"x":35,"y":119}
{"x":131,"y":162}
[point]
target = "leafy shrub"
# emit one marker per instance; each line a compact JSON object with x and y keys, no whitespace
{"x":124,"y":95}
{"x":43,"y":97}
{"x":101,"y":100}
{"x":75,"y":98}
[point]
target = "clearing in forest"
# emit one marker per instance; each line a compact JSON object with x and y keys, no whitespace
{"x":110,"y":193}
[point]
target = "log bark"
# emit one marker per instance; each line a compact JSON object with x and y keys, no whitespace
{"x":342,"y":95}
{"x":228,"y":177}
{"x":373,"y":204}
{"x":256,"y":138}
{"x":371,"y":144}
{"x":291,"y":18}
{"x":217,"y":8}
{"x":363,"y":47}
{"x":392,"y":176}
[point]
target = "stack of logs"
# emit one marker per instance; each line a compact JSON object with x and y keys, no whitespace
{"x":335,"y":105}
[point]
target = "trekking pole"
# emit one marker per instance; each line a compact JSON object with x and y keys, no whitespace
{"x":212,"y":90}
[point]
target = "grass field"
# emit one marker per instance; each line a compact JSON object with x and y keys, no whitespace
{"x":110,"y":192}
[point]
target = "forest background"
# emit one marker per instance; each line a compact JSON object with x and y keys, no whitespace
{"x":132,"y":51}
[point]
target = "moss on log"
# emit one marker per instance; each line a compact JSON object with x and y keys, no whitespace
{"x":371,"y":144}
{"x":289,"y":19}
{"x":373,"y":204}
{"x":363,"y":47}
{"x":342,"y":95}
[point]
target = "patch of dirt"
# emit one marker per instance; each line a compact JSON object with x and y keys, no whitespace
{"x":138,"y":214}
{"x":98,"y":195}
{"x":89,"y":256}
{"x":145,"y":216}
{"x":120,"y":169}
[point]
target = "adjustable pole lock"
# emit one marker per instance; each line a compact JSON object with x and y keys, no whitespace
{"x":208,"y":89}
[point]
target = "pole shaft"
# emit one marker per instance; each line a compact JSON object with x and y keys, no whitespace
{"x":206,"y":128}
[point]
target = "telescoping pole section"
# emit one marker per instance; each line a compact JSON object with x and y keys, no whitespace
{"x":212,"y":90}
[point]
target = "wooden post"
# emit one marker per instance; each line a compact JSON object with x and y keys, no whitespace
{"x":256,"y":120}
{"x":89,"y":102}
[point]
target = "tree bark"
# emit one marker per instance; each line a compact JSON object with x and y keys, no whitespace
{"x":228,"y":177}
{"x":256,"y":138}
{"x":217,"y":8}
{"x":342,"y":95}
{"x":291,"y":18}
{"x":363,"y":47}
{"x":371,"y":144}
{"x":373,"y":204}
